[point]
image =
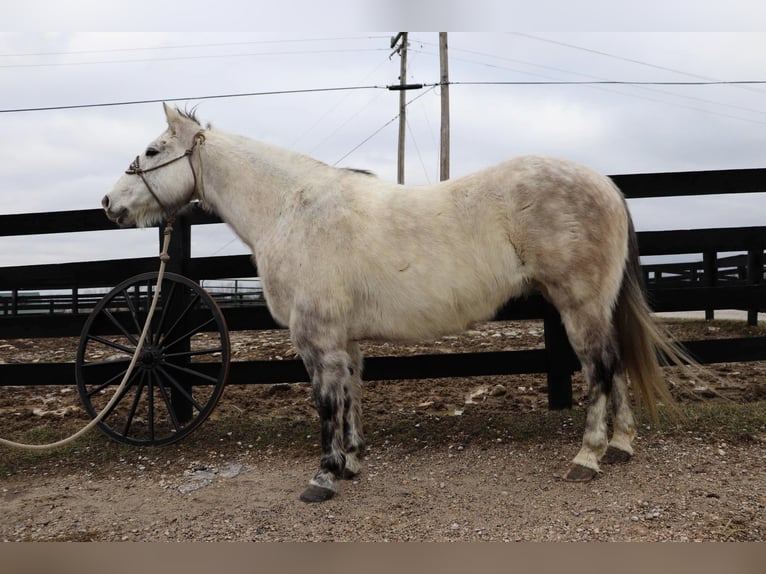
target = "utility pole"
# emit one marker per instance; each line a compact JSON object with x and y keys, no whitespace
{"x":402,"y":49}
{"x":444,"y":84}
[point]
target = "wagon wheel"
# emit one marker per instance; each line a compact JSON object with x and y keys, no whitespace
{"x":180,"y":373}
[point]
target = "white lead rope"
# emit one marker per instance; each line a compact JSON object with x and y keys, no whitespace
{"x":118,"y":393}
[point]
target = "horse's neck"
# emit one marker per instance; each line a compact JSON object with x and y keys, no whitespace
{"x":248,"y":183}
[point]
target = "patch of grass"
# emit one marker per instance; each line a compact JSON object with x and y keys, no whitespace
{"x":730,"y":420}
{"x":12,"y":459}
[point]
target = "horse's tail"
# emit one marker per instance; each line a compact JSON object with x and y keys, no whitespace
{"x":644,"y":346}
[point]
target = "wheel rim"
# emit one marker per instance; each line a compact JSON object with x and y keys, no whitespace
{"x":181,"y":372}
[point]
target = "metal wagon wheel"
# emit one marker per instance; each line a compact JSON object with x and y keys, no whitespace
{"x":182,"y":369}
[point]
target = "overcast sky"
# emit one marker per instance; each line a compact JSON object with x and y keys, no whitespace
{"x":68,"y":159}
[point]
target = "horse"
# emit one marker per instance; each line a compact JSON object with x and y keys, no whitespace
{"x":345,"y":257}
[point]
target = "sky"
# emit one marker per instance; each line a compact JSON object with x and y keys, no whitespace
{"x":64,"y":159}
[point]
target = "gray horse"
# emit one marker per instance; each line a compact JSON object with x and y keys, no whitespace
{"x":345,"y":257}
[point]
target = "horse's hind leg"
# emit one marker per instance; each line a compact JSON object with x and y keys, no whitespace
{"x":593,"y":338}
{"x":621,"y":446}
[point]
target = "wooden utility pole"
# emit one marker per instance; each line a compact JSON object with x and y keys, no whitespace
{"x":444,"y":84}
{"x":402,"y":49}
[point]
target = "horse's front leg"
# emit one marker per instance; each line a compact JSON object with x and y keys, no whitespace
{"x":330,"y":376}
{"x":353,"y":434}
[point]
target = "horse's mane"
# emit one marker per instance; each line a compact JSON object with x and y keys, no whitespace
{"x":357,"y":170}
{"x":191,"y":114}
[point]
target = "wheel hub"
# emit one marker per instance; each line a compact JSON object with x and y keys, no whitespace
{"x":150,"y":357}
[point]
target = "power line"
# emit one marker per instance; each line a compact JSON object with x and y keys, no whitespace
{"x":393,"y":87}
{"x":210,"y":97}
{"x":431,"y":87}
{"x":337,"y":105}
{"x":642,"y":87}
{"x":608,"y":55}
{"x":612,"y":83}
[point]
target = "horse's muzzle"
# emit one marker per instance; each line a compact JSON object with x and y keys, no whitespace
{"x":115,"y":216}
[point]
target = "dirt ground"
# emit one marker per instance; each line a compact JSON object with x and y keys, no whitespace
{"x":449,"y":459}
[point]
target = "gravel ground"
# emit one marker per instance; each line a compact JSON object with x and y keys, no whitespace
{"x":440,"y":467}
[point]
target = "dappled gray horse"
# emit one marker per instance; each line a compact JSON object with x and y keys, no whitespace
{"x":344,"y":257}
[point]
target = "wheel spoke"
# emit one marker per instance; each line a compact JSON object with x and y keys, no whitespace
{"x":122,"y":394}
{"x":106,"y":362}
{"x":165,"y":306}
{"x":132,"y":308}
{"x":189,"y":333}
{"x":111,"y":344}
{"x":192,"y":372}
{"x":197,"y":353}
{"x":119,"y":325}
{"x":180,"y":388}
{"x":134,"y":405}
{"x":108,"y":383}
{"x":168,"y":404}
{"x":180,"y":318}
{"x":150,"y":397}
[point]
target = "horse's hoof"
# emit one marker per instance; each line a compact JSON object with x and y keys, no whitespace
{"x":579,"y":473}
{"x":616,"y":455}
{"x":316,"y":494}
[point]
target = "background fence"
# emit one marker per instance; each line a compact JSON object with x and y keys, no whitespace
{"x":28,"y":309}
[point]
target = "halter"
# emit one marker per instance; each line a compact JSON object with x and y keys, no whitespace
{"x":136,"y":169}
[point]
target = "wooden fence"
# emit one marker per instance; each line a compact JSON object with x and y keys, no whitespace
{"x":707,"y":286}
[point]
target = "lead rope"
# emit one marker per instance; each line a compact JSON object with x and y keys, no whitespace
{"x":164,"y":257}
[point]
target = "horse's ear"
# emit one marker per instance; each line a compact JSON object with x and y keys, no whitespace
{"x":174,"y":118}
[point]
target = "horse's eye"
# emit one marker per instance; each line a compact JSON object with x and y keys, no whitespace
{"x":150,"y":151}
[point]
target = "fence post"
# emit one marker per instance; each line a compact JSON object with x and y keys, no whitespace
{"x":560,"y":358}
{"x":710,"y":277}
{"x":754,"y":277}
{"x":179,"y":251}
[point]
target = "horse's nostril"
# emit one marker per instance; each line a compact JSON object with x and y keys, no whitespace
{"x":105,"y":202}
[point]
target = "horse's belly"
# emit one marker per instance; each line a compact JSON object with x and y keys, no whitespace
{"x":433,"y":308}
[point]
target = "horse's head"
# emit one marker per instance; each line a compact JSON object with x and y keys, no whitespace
{"x":159,"y":181}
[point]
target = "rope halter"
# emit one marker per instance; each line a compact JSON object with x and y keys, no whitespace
{"x":136,"y":169}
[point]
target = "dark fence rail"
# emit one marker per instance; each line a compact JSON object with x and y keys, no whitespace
{"x":708,"y":285}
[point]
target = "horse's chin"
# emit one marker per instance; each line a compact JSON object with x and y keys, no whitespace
{"x":121,"y":217}
{"x":127,"y":218}
{"x":125,"y":221}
